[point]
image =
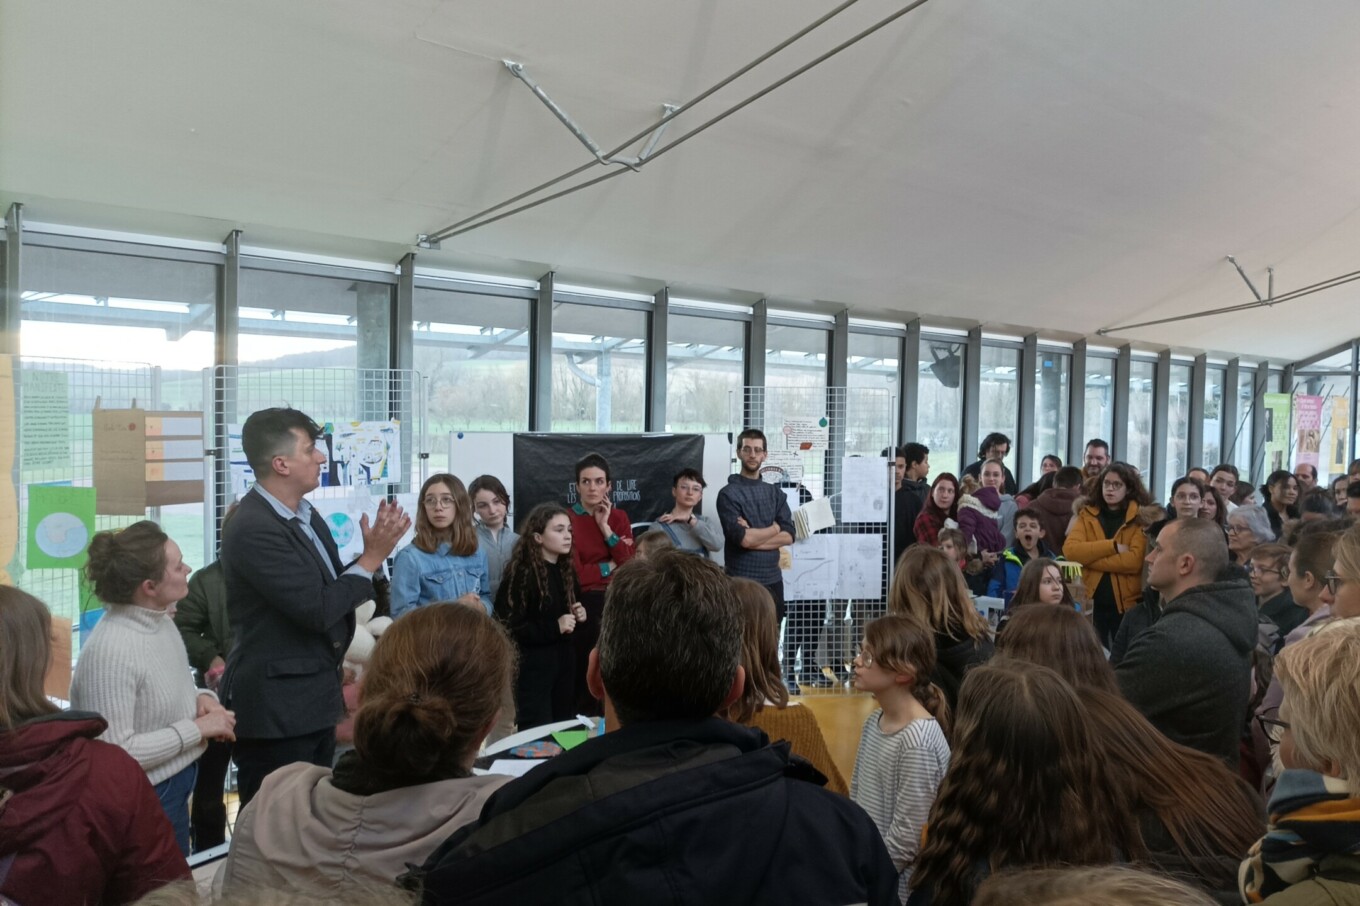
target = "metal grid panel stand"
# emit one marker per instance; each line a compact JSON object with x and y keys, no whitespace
{"x":115,"y":385}
{"x":325,"y":394}
{"x":840,"y":575}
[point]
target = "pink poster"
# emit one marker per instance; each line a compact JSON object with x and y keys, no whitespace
{"x":1307,"y":429}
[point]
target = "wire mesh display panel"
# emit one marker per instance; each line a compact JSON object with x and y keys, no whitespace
{"x":55,"y":402}
{"x":375,"y":432}
{"x":827,"y":452}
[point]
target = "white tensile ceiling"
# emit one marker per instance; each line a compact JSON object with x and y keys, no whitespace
{"x":1064,"y":165}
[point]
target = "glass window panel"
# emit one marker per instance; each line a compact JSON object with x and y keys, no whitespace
{"x":1177,"y":426}
{"x":599,"y":376}
{"x":873,"y":373}
{"x":705,"y":368}
{"x":1241,"y":451}
{"x":999,"y":406}
{"x":1213,"y":416}
{"x":473,"y":352}
{"x":1142,"y":381}
{"x":939,"y":409}
{"x":1051,"y":404}
{"x":122,"y":328}
{"x":1098,"y":421}
{"x":796,"y":356}
{"x":305,"y":321}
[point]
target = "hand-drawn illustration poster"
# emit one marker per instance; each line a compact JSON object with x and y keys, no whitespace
{"x":60,"y":525}
{"x":363,"y":453}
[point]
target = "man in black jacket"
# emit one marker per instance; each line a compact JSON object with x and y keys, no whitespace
{"x":911,"y":469}
{"x":291,"y":601}
{"x":674,"y":804}
{"x":1190,"y":671}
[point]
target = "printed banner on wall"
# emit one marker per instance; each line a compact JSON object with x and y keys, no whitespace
{"x":1341,"y":427}
{"x":1277,"y":431}
{"x":640,"y":465}
{"x":1307,"y":430}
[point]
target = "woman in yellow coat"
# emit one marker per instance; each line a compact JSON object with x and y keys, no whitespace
{"x":1108,"y":542}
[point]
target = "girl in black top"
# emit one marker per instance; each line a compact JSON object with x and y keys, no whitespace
{"x":537,"y":602}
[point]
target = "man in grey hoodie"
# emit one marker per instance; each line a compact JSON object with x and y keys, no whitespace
{"x":1190,"y":672}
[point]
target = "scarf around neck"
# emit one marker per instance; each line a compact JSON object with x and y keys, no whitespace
{"x":1311,"y":816}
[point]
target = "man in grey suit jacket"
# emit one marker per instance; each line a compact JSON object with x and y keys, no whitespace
{"x":291,"y":601}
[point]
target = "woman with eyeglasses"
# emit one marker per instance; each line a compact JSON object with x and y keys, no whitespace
{"x":1248,"y":527}
{"x":1108,"y":542}
{"x":444,"y":562}
{"x":1311,"y":849}
{"x":1344,"y":580}
{"x":1268,"y":569}
{"x":1310,"y":564}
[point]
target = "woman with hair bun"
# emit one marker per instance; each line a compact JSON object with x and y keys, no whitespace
{"x":430,"y":696}
{"x":134,"y":670}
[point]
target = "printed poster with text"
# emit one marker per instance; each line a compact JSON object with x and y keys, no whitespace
{"x":1307,"y":430}
{"x":1277,"y":431}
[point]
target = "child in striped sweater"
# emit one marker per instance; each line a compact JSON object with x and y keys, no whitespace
{"x":903,"y":754}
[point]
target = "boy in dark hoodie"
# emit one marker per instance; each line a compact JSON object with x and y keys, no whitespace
{"x":1054,"y":506}
{"x":1029,"y":544}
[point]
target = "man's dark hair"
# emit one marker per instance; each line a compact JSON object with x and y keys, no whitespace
{"x":670,"y":638}
{"x":1027,"y":513}
{"x":913,"y":453}
{"x":1353,"y":490}
{"x":691,"y":474}
{"x":1068,"y":477}
{"x":592,"y":461}
{"x":269,"y":433}
{"x":1319,"y":501}
{"x":992,"y":440}
{"x":1098,"y":444}
{"x":753,"y":434}
{"x":1225,"y":467}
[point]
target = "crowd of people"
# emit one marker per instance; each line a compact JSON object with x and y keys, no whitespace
{"x":1166,"y":709}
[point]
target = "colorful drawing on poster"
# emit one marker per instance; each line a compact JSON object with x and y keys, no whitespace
{"x":362,"y":453}
{"x":242,"y":475}
{"x":343,"y":517}
{"x":60,"y":525}
{"x":1307,"y":429}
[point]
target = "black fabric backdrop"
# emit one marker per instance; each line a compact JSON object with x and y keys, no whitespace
{"x":641,"y":467}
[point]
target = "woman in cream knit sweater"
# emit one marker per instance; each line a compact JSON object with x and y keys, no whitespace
{"x":134,"y":670}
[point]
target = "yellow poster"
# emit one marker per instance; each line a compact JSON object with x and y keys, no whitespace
{"x":1341,"y":428}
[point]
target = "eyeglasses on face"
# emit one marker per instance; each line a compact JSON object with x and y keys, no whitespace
{"x":1254,"y":570}
{"x":1112,"y":485}
{"x":435,"y":503}
{"x":1334,"y":582}
{"x":1272,"y":727}
{"x":865,"y":658}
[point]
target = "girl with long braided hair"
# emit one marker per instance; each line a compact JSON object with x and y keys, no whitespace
{"x":538,"y":603}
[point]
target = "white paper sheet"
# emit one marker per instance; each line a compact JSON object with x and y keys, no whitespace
{"x":859,"y":570}
{"x":865,"y":481}
{"x":814,"y":573}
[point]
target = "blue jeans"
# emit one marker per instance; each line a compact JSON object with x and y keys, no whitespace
{"x":174,"y":796}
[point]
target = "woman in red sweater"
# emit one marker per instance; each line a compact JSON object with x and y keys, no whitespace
{"x":602,"y":541}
